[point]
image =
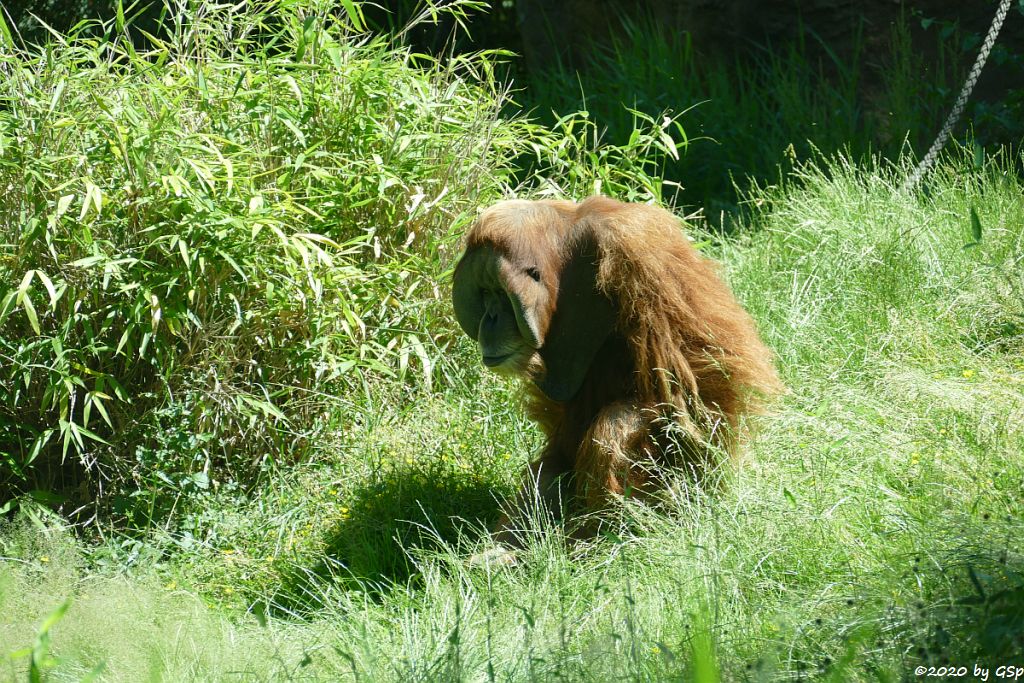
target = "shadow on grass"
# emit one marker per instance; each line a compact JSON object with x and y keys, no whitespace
{"x":961,"y":606}
{"x":968,"y":611}
{"x":980,"y":617}
{"x":399,"y":516}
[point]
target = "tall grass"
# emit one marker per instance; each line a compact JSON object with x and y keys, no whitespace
{"x":759,"y":116}
{"x":223,"y":262}
{"x":875,"y":524}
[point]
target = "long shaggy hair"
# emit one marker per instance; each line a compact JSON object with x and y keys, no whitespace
{"x":671,"y":377}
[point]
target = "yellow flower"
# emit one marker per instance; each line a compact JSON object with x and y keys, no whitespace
{"x":171,"y":585}
{"x":968,"y":373}
{"x":44,"y":558}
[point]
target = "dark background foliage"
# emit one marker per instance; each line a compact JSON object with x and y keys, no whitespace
{"x":865,"y":77}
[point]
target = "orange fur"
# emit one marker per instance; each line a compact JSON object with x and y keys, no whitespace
{"x":684,"y":364}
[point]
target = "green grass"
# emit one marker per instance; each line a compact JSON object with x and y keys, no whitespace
{"x":304,"y":451}
{"x":875,"y":524}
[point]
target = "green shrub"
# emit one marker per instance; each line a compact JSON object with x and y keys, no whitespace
{"x":238,"y":227}
{"x":226,"y":223}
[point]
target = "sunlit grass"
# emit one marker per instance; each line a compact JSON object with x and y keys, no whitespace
{"x":305,"y":451}
{"x":874,"y":525}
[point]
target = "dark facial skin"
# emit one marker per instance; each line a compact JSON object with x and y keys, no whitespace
{"x":499,"y":338}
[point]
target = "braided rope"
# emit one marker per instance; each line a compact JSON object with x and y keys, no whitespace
{"x":929,"y":159}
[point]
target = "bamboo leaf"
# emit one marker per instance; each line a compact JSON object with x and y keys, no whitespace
{"x":57,"y":92}
{"x":94,"y":198}
{"x":98,"y":402}
{"x":89,"y":434}
{"x":48,"y":284}
{"x":300,"y":47}
{"x":669,"y":145}
{"x":63,"y":203}
{"x":354,"y":13}
{"x":201,"y":83}
{"x":234,"y":264}
{"x":124,"y":340}
{"x":9,"y":303}
{"x":67,"y":432}
{"x":5,"y":33}
{"x":421,"y":352}
{"x":26,"y":282}
{"x":30,"y":311}
{"x":183,"y":249}
{"x":85,"y":203}
{"x":37,"y":446}
{"x":155,"y":311}
{"x":265,"y":407}
{"x":88,"y":261}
